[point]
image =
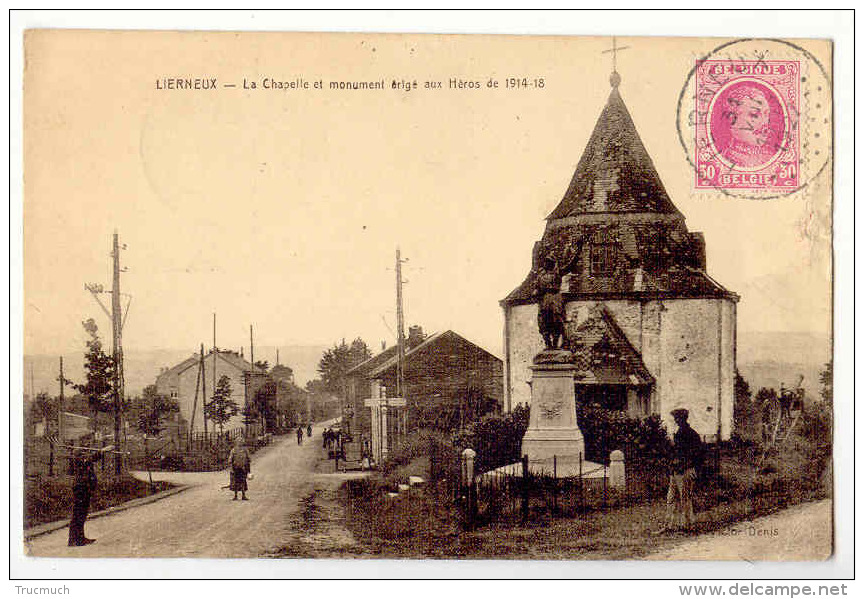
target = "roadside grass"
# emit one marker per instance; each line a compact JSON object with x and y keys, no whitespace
{"x":49,"y":498}
{"x":426,"y":522}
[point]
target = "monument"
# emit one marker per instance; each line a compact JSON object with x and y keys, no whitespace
{"x":553,"y":432}
{"x":552,"y":429}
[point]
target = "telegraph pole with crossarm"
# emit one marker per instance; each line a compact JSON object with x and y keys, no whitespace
{"x":118,"y":318}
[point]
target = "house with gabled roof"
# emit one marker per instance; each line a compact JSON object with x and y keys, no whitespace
{"x":183,"y":383}
{"x":650,"y":329}
{"x":448,"y":381}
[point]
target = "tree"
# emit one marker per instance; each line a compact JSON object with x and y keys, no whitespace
{"x":46,"y":408}
{"x":826,"y":378}
{"x":338,"y":360}
{"x":262,"y":406}
{"x":280,"y":372}
{"x":262,"y":364}
{"x":100,"y":387}
{"x":221,"y":408}
{"x":100,"y":370}
{"x":153,"y":409}
{"x":745,"y":412}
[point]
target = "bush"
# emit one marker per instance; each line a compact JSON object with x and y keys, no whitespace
{"x":172,"y":462}
{"x":423,"y":444}
{"x":496,"y":439}
{"x":643,"y":440}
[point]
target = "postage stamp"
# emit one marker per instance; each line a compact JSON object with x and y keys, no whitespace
{"x":747,"y":133}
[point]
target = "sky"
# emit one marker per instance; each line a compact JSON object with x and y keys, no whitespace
{"x":284,"y":209}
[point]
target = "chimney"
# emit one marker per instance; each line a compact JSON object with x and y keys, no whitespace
{"x":383,"y":345}
{"x":415,"y":336}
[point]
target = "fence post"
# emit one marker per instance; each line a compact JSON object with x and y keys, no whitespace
{"x":525,"y":484}
{"x":469,"y":489}
{"x":554,"y":484}
{"x":605,"y":484}
{"x":581,"y":487}
{"x":617,"y":473}
{"x":432,"y":474}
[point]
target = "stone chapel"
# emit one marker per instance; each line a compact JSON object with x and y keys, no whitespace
{"x":649,"y":329}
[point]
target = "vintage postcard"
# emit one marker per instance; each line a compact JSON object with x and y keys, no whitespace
{"x":376,"y":296}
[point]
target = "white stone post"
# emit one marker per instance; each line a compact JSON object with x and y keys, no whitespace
{"x":468,"y":456}
{"x":617,"y":476}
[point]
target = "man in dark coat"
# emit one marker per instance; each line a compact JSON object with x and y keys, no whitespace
{"x":83,"y":487}
{"x":687,"y":456}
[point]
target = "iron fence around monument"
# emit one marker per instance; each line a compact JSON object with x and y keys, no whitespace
{"x":526,"y":492}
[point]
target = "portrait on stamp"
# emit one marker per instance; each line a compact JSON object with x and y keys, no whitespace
{"x":748,"y":124}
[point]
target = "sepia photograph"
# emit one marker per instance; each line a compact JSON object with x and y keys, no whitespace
{"x":374,"y":296}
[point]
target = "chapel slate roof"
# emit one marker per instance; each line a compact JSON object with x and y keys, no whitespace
{"x":615,"y":173}
{"x":616,"y":202}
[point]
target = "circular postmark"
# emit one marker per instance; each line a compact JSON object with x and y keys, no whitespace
{"x":754,"y":119}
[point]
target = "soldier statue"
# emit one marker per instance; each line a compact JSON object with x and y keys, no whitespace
{"x":550,"y":317}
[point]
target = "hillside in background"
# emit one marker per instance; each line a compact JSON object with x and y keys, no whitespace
{"x":766,"y":359}
{"x":142,"y":367}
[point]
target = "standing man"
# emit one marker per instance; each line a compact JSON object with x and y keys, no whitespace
{"x":240,"y":464}
{"x":82,"y":490}
{"x":309,"y":430}
{"x":300,"y":434}
{"x":687,"y":457}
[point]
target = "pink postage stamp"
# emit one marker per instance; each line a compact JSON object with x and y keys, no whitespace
{"x":747,"y":124}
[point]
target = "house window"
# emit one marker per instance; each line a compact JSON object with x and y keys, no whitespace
{"x":602,"y":259}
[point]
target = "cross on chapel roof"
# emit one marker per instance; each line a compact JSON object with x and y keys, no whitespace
{"x":615,"y":77}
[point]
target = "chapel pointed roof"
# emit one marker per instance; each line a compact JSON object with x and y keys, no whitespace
{"x":615,"y":173}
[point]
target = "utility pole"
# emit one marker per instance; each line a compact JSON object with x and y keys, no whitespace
{"x":62,"y":400}
{"x":400,"y":328}
{"x":400,"y":339}
{"x":117,"y":321}
{"x":214,"y":352}
{"x":117,"y":350}
{"x":251,"y":347}
{"x":204,"y":390}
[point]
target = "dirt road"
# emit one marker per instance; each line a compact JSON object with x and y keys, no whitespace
{"x":203,"y":521}
{"x":802,"y":532}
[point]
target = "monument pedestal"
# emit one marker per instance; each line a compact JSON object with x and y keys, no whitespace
{"x":552,"y":428}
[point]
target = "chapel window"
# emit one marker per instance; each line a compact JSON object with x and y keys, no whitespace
{"x":602,"y":259}
{"x":604,"y":246}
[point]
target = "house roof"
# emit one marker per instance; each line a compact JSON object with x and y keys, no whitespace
{"x":364,"y":368}
{"x":414,"y":353}
{"x":178,"y":368}
{"x":615,"y":173}
{"x":603,"y":355}
{"x":227,"y":356}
